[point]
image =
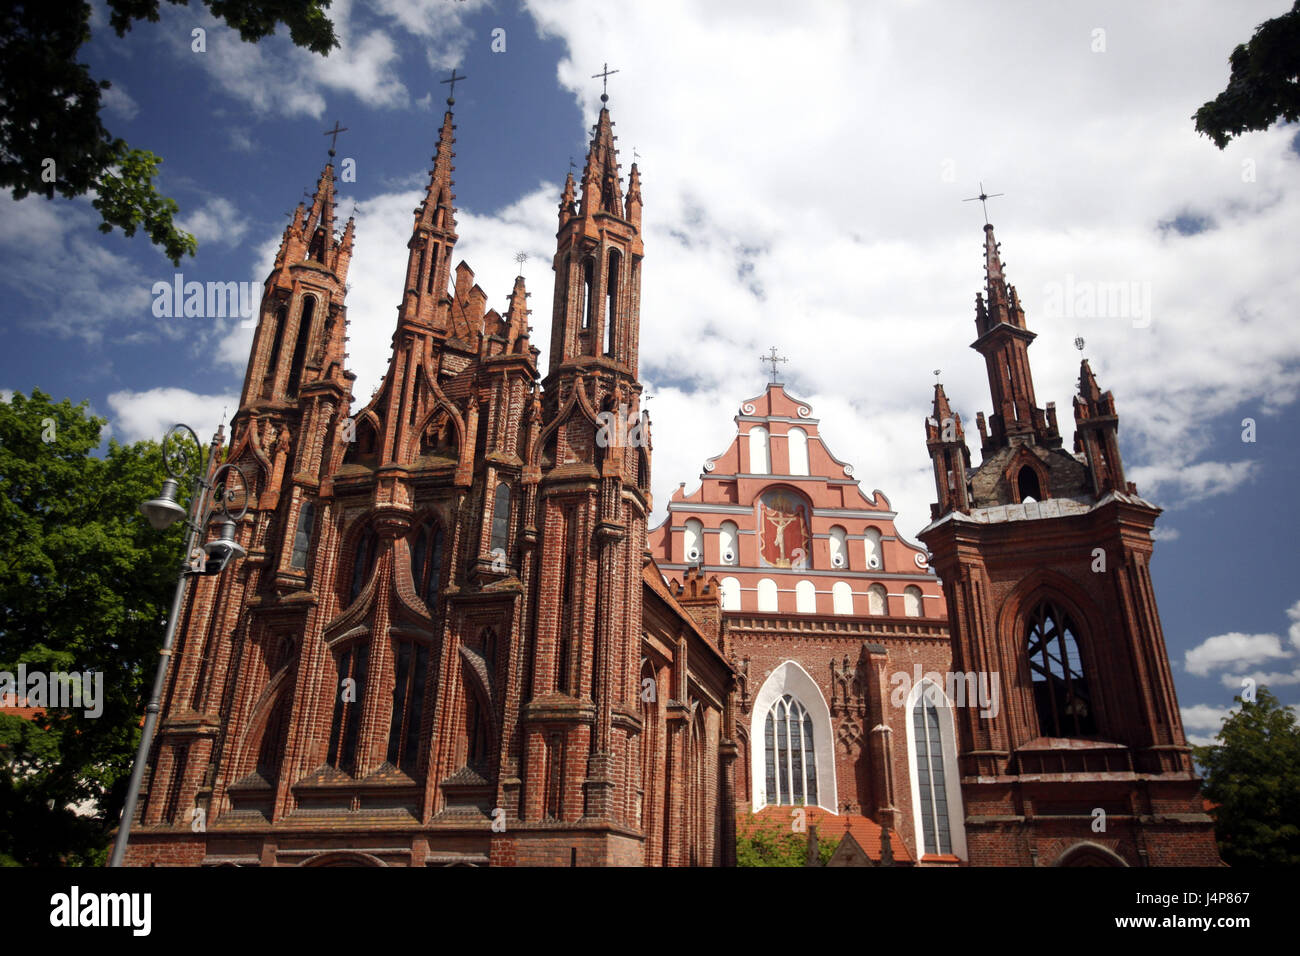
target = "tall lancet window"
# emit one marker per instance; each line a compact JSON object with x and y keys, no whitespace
{"x":273,"y":363}
{"x":611,"y":301}
{"x":932,"y":784}
{"x":797,"y":444}
{"x":501,"y":519}
{"x":302,"y":536}
{"x":300,"y":349}
{"x":758,"y":450}
{"x":363,"y":562}
{"x":588,"y":300}
{"x":1060,"y":686}
{"x":426,"y":563}
{"x":791,"y":759}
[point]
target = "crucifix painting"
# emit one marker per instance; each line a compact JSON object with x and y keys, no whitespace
{"x":783,"y":530}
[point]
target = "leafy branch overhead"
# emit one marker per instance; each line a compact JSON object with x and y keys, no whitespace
{"x":52,"y":139}
{"x":1264,"y":85}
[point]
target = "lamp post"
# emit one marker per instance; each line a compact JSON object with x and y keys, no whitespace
{"x":210,"y":492}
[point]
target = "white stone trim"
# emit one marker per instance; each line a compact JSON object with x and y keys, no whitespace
{"x":789,"y":677}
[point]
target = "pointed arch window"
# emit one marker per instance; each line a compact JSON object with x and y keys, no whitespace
{"x":791,"y":759}
{"x":302,"y":536}
{"x":476,"y":732}
{"x":935,"y":831}
{"x":588,"y":300}
{"x":363,"y":562}
{"x":501,"y":519}
{"x":272,"y":364}
{"x":611,"y":301}
{"x":349,"y":691}
{"x":411,"y":667}
{"x":1061,"y":695}
{"x":1027,"y":485}
{"x":300,"y":347}
{"x":426,"y":563}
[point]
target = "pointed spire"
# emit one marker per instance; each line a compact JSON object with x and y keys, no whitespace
{"x":634,"y":196}
{"x":567,"y":206}
{"x":318,"y":228}
{"x":436,"y":211}
{"x":1088,"y":387}
{"x":601,"y":189}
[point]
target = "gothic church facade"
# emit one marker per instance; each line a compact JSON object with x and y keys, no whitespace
{"x":455,"y":641}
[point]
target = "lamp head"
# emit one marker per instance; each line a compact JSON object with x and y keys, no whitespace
{"x":164,"y":511}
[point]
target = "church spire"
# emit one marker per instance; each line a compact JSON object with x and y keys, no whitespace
{"x":601,"y":189}
{"x":1004,"y":342}
{"x":1097,"y":434}
{"x":433,"y":236}
{"x":946,"y":440}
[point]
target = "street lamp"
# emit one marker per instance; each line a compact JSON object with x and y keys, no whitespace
{"x":211,"y":491}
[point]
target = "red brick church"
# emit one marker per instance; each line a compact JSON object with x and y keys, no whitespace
{"x":454,"y":641}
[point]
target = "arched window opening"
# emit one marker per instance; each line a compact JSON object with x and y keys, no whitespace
{"x":875,"y":554}
{"x":842,"y":598}
{"x":426,"y":563}
{"x":729,"y":544}
{"x":317,"y":248}
{"x":348,"y":692}
{"x":476,"y":732}
{"x":1061,"y":695}
{"x":501,"y":520}
{"x":1027,"y":483}
{"x":791,"y":757}
{"x":487,"y":639}
{"x":302,"y":536}
{"x":877,"y":599}
{"x":730,"y":588}
{"x":767,"y":595}
{"x":912,"y":601}
{"x":758,"y":450}
{"x":588,"y":300}
{"x":797,"y":447}
{"x":805,"y":598}
{"x":411,"y":665}
{"x":611,"y":302}
{"x":273,"y":363}
{"x":935,"y":833}
{"x":433,"y":267}
{"x":300,"y":347}
{"x":363,"y":562}
{"x":839,"y":547}
{"x":693,"y":539}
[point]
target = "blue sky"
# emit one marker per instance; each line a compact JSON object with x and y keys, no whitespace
{"x":803,"y":182}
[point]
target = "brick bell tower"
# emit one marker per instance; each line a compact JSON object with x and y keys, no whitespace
{"x":1044,"y":557}
{"x":586,"y":501}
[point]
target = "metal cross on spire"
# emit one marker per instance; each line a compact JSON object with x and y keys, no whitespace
{"x":983,"y":197}
{"x":604,"y":81}
{"x":453,"y":80}
{"x":774,"y":359}
{"x":334,"y":135}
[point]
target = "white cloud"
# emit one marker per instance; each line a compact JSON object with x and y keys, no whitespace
{"x":1165,"y":534}
{"x":1204,"y":717}
{"x":39,"y":238}
{"x":1293,"y":612}
{"x":6,"y":395}
{"x":142,"y":415}
{"x":1232,"y":650}
{"x":218,"y":220}
{"x":116,"y":100}
{"x":1271,"y":679}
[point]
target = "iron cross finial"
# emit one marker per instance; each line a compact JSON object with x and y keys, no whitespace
{"x":604,"y":81}
{"x":334,"y":135}
{"x":774,"y":359}
{"x":983,"y":197}
{"x":453,"y":80}
{"x":520,"y":259}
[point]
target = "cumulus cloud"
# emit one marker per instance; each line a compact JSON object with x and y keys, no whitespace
{"x":117,"y":101}
{"x":1232,"y":650}
{"x":1273,"y":679}
{"x":217,"y":220}
{"x":140,"y":415}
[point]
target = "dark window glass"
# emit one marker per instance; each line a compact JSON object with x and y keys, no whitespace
{"x":363,"y":563}
{"x":1061,"y":696}
{"x":302,"y":537}
{"x":501,"y":518}
{"x":300,"y":348}
{"x":936,"y":836}
{"x":346,"y":722}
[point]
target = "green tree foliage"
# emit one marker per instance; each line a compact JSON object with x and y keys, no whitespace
{"x":85,"y":585}
{"x":1253,"y":775}
{"x":768,"y":843}
{"x":51,"y":136}
{"x":1264,"y":85}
